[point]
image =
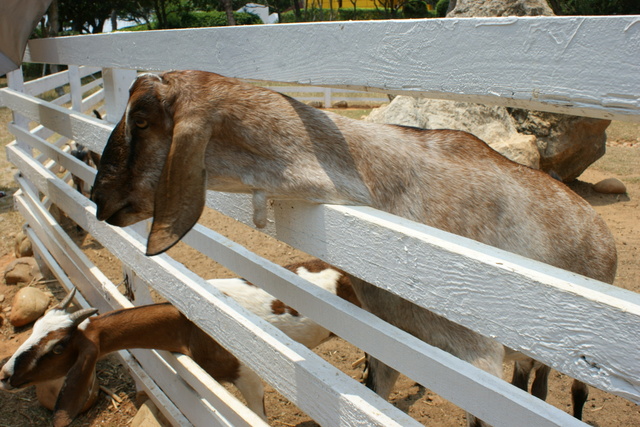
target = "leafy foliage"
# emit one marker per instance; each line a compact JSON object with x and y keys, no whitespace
{"x":310,"y":15}
{"x":86,"y":16}
{"x":415,"y":9}
{"x":595,"y":7}
{"x":210,"y":19}
{"x":441,"y":8}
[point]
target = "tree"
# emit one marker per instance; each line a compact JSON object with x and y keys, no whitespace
{"x":140,"y":11}
{"x":86,"y":16}
{"x":595,"y":7}
{"x":228,"y":8}
{"x":83,"y":16}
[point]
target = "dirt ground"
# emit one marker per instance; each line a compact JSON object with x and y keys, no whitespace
{"x":621,"y":212}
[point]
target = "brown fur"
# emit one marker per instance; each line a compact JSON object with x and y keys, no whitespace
{"x":208,"y":131}
{"x":70,"y":353}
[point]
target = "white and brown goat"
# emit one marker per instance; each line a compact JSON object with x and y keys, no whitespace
{"x":88,"y":157}
{"x":69,"y":344}
{"x":184,"y":132}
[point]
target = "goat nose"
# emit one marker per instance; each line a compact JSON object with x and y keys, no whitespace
{"x":4,"y":381}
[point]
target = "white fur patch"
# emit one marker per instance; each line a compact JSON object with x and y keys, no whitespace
{"x":248,"y":296}
{"x":145,"y":75}
{"x":259,"y":201}
{"x":51,"y":321}
{"x":327,"y":279}
{"x":251,"y":387}
{"x":82,"y":326}
{"x":259,"y":302}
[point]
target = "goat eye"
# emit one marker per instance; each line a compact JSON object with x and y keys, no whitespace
{"x":141,"y":123}
{"x":58,"y":349}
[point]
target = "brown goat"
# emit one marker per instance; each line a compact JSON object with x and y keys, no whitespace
{"x":185,"y":132}
{"x":69,"y":344}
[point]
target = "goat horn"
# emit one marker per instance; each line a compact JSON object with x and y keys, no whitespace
{"x":80,"y":315}
{"x":67,"y":300}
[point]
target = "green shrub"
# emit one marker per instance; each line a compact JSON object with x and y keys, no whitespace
{"x":141,"y":27}
{"x":441,"y":8}
{"x":200,"y":19}
{"x":360,"y":14}
{"x":209,"y":19}
{"x":415,"y":9}
{"x":349,"y":14}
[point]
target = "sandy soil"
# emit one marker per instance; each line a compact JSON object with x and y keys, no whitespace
{"x":621,"y":212}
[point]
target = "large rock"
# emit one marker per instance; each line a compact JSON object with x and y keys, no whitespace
{"x":567,"y":144}
{"x":28,"y":305}
{"x":558,"y":143}
{"x":22,"y":270}
{"x":149,"y":416}
{"x":492,"y":124}
{"x":500,"y":8}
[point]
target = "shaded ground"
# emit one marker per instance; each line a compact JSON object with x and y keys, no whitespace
{"x":621,"y":212}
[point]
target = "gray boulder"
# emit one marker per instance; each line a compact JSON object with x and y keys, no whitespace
{"x":499,"y":8}
{"x":565,"y":145}
{"x":492,"y":124}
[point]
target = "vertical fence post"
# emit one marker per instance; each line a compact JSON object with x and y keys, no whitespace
{"x":15,"y":81}
{"x":116,"y":91}
{"x":75,"y":87}
{"x":138,"y":287}
{"x":327,"y":97}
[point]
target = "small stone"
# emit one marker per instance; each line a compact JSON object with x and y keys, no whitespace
{"x":610,"y":186}
{"x":22,"y":246}
{"x":2,"y":297}
{"x":149,"y":416}
{"x":28,"y":305}
{"x":22,"y":270}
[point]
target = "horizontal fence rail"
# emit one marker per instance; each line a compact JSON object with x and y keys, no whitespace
{"x":518,"y":62}
{"x":538,"y":58}
{"x":328,"y":96}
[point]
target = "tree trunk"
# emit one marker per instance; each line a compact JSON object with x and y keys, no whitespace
{"x":114,"y":20}
{"x":228,"y":8}
{"x":52,"y":30}
{"x":53,"y":26}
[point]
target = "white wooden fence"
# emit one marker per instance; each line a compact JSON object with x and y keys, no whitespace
{"x":591,"y":331}
{"x":327,"y":96}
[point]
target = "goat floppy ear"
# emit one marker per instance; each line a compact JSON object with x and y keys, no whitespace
{"x":181,"y":193}
{"x":76,"y":387}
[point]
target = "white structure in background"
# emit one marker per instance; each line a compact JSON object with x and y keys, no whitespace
{"x":262,"y":11}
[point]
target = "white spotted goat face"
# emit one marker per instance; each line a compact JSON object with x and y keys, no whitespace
{"x":45,"y":342}
{"x":49,"y":352}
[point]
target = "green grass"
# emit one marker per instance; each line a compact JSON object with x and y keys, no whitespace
{"x":355,"y":113}
{"x":622,"y":161}
{"x":623,"y":131}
